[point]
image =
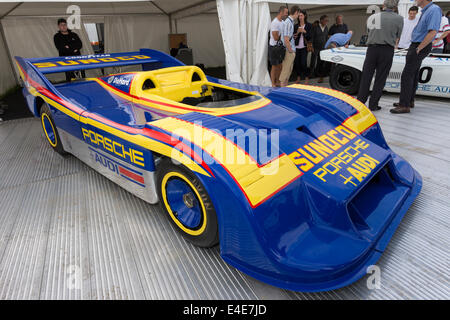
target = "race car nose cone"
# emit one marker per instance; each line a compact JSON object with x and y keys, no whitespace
{"x":188,"y":199}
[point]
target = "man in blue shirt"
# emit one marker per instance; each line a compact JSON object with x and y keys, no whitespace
{"x":421,"y":44}
{"x":339,"y":40}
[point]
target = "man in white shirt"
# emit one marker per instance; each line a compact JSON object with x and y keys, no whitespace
{"x":275,"y":57}
{"x":444,"y":31}
{"x":289,"y":43}
{"x":409,"y":23}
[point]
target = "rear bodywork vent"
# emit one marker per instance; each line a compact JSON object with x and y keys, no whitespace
{"x":369,"y":210}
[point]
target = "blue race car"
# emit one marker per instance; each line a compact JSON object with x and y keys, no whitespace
{"x":297,"y":184}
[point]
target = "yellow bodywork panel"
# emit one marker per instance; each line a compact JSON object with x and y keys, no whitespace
{"x":359,"y":122}
{"x":258,"y":182}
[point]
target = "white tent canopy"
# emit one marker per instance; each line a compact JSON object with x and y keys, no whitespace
{"x":27,"y":29}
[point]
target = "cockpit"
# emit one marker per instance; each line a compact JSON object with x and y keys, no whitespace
{"x":189,"y":85}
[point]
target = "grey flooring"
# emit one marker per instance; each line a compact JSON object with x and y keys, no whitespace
{"x":66,"y":232}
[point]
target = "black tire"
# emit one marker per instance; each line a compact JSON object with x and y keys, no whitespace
{"x":56,"y":144}
{"x":207,"y":234}
{"x":345,"y":79}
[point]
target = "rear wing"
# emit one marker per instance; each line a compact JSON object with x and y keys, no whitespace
{"x":148,"y":58}
{"x":32,"y":71}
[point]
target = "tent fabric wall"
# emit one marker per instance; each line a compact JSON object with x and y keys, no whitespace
{"x":205,"y":39}
{"x":355,"y":20}
{"x":41,"y":31}
{"x":7,"y":80}
{"x":245,"y":29}
{"x":132,"y":32}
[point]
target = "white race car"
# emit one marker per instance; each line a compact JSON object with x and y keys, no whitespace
{"x":345,"y":73}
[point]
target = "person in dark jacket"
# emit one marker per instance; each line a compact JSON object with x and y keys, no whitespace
{"x":380,"y":53}
{"x":319,"y":37}
{"x":67,"y":43}
{"x":302,"y":35}
{"x":339,"y":26}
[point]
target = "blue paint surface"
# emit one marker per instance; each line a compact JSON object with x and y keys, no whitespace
{"x":311,"y":235}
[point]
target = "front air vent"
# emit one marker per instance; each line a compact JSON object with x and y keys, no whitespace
{"x":148,"y":84}
{"x":196,"y":77}
{"x":395,"y":75}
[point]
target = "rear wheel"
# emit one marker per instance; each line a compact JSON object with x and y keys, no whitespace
{"x":188,"y":205}
{"x":50,"y":131}
{"x":345,"y":79}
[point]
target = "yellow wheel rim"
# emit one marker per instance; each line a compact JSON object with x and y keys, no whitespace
{"x":46,"y":124}
{"x":166,"y":178}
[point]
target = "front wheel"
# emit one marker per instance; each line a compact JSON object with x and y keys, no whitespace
{"x":345,"y":79}
{"x":50,"y":131}
{"x":188,"y":205}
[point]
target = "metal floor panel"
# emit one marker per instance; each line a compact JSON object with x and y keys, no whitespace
{"x":66,"y":232}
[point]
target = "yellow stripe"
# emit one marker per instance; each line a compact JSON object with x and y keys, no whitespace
{"x":140,"y":140}
{"x":258,"y":183}
{"x":148,"y":143}
{"x":360,"y":121}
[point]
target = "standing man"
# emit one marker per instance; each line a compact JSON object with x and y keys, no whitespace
{"x":319,"y":38}
{"x":380,"y":53}
{"x":409,"y":23}
{"x":68,"y":43}
{"x":289,"y":43}
{"x":339,"y":26}
{"x":422,"y":36}
{"x":275,"y":57}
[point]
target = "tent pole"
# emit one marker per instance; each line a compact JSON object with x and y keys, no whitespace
{"x":159,"y":8}
{"x":11,"y":10}
{"x":163,"y":11}
{"x":192,"y":10}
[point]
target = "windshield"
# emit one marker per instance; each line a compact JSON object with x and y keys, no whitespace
{"x":229,"y":103}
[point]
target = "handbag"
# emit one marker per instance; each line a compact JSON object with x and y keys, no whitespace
{"x":279,"y":50}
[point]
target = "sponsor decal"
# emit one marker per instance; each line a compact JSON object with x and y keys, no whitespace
{"x":119,"y":81}
{"x":345,"y":155}
{"x":337,"y":58}
{"x":87,"y":60}
{"x":117,"y":168}
{"x":115,"y":148}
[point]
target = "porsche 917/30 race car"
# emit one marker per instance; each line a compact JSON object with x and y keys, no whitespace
{"x":312,"y":214}
{"x":348,"y":63}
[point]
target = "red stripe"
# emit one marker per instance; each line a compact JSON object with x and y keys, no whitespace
{"x":131,"y":175}
{"x":163,"y":137}
{"x":259,"y":166}
{"x":49,"y":94}
{"x":152,"y":101}
{"x":145,"y":132}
